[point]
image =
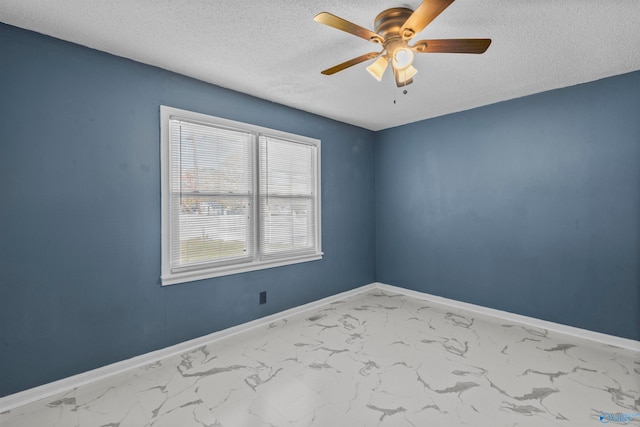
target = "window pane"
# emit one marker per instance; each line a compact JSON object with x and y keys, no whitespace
{"x":287,"y":167}
{"x":210,"y":159}
{"x":212,"y":229}
{"x":288,"y":225}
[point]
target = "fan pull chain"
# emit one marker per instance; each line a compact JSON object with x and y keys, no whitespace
{"x":404,"y":92}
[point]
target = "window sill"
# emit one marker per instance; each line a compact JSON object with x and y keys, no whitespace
{"x":191,"y":276}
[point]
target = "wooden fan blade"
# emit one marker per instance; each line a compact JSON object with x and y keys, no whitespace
{"x":350,"y":63}
{"x":422,"y":16}
{"x":452,"y":46}
{"x":349,"y":27}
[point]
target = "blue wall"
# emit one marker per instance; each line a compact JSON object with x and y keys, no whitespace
{"x":80,"y":212}
{"x":531,"y":206}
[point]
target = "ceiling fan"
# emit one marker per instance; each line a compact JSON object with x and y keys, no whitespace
{"x":394,"y":29}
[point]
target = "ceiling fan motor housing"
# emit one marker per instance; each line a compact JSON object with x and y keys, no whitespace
{"x":389,"y":22}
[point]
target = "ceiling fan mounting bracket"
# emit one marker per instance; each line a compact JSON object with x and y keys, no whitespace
{"x":408,"y":34}
{"x":420,"y":47}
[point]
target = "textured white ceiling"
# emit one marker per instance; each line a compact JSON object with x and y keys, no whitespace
{"x":275,"y":51}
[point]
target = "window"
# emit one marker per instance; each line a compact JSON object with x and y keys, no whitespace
{"x":235,"y":197}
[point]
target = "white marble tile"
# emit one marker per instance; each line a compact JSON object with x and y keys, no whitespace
{"x":58,"y":411}
{"x":374,"y":359}
{"x":109,"y":403}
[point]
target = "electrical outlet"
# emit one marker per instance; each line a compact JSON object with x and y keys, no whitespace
{"x":263,"y":297}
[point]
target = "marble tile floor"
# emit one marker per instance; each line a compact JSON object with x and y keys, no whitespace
{"x":373,"y":359}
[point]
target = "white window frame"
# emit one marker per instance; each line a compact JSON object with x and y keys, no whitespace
{"x":170,"y":277}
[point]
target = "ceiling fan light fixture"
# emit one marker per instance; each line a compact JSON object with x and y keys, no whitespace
{"x":402,"y":58}
{"x":405,"y":77}
{"x":409,"y":72}
{"x":378,"y":68}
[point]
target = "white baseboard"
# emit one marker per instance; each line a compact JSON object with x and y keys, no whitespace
{"x":47,"y":390}
{"x":67,"y":384}
{"x":518,"y":318}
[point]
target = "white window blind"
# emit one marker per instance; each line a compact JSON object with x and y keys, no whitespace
{"x":287,"y":185}
{"x":235,"y":197}
{"x":211,"y":195}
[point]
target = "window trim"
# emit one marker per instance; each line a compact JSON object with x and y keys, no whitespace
{"x":169,"y":277}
